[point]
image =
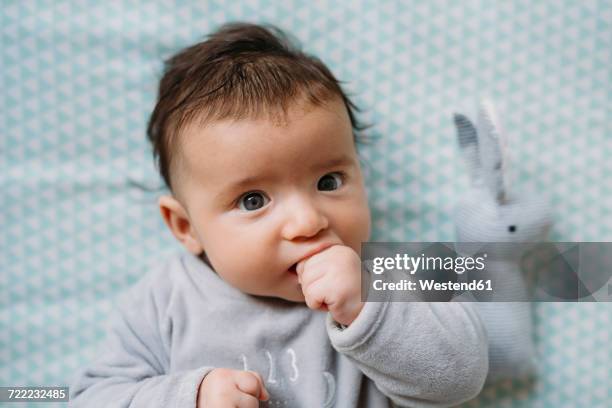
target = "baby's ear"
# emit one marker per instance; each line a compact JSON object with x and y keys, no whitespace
{"x":177,"y":219}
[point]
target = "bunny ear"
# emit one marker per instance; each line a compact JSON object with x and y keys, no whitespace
{"x":468,"y":143}
{"x":492,"y":141}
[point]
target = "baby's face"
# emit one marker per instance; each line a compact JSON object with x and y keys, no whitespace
{"x":261,"y":196}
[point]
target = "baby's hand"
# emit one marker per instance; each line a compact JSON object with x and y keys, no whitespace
{"x":224,"y":387}
{"x":331,"y":280}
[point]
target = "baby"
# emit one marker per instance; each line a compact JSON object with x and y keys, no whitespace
{"x":256,"y":142}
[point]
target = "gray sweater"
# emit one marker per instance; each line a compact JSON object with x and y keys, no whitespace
{"x":181,"y":321}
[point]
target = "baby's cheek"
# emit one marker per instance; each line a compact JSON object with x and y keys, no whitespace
{"x":356,"y":228}
{"x":230,"y":261}
{"x":253,"y":271}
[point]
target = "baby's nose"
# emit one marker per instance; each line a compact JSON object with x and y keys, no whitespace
{"x":304,"y":220}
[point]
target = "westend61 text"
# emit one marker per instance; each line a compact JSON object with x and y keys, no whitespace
{"x":428,"y":284}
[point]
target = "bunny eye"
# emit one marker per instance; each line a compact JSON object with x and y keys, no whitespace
{"x":512,"y":228}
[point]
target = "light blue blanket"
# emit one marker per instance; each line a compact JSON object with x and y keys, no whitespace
{"x":78,"y":80}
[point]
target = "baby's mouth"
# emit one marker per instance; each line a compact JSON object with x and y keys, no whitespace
{"x":293,"y":268}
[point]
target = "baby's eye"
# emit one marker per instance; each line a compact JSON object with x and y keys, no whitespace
{"x":330,"y":181}
{"x":252,"y":201}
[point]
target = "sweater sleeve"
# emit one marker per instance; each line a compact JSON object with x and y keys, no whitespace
{"x":131,"y":370}
{"x":419,"y":354}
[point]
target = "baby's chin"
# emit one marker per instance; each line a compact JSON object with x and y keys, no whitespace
{"x":291,"y":293}
{"x":297,"y":298}
{"x":289,"y":290}
{"x":292,"y":296}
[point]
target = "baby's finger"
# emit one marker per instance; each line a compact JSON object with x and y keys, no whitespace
{"x":244,"y":400}
{"x":299,"y":268}
{"x":251,"y":383}
{"x":263,"y":395}
{"x":311,"y":274}
{"x":315,"y":294}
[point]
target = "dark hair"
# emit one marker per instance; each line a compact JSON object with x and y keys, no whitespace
{"x":242,"y":70}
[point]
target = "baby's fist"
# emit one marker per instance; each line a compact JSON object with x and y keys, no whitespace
{"x":331,"y":279}
{"x":224,"y":387}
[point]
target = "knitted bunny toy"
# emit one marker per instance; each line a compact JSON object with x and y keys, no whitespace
{"x":488,"y":213}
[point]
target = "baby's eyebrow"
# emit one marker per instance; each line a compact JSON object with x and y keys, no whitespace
{"x":343,"y":160}
{"x":244,"y":182}
{"x":239,"y":185}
